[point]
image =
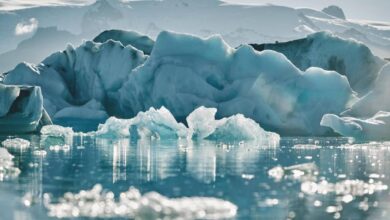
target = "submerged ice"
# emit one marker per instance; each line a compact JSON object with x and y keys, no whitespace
{"x":132,"y":204}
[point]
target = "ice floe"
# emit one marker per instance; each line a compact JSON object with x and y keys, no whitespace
{"x":98,"y":203}
{"x":16,"y":143}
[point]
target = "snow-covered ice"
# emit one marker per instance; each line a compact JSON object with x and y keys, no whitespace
{"x":132,"y":204}
{"x":56,"y":137}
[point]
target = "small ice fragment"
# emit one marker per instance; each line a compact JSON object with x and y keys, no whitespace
{"x":248,"y":176}
{"x":276,"y":173}
{"x":347,"y":198}
{"x":16,"y":143}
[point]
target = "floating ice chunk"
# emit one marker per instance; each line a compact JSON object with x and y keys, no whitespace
{"x":201,"y":122}
{"x":56,"y":131}
{"x":375,"y":128}
{"x":7,"y":169}
{"x":276,"y":173}
{"x":114,"y":128}
{"x":96,"y":203}
{"x":203,"y":125}
{"x":155,"y":124}
{"x":239,"y":128}
{"x":16,"y":143}
{"x":55,"y":135}
{"x":299,"y":172}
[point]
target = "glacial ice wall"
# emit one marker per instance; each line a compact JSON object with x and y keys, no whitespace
{"x":325,"y":50}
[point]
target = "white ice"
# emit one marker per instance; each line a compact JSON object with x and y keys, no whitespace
{"x":7,"y":168}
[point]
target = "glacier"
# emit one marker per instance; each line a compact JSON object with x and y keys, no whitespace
{"x":328,"y":51}
{"x":21,"y":109}
{"x":182,"y":73}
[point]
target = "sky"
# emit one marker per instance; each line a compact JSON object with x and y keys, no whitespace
{"x":354,"y":9}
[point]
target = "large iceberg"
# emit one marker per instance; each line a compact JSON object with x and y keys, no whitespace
{"x":182,"y":73}
{"x":21,"y":109}
{"x":325,"y":50}
{"x":185,"y":72}
{"x":81,"y":83}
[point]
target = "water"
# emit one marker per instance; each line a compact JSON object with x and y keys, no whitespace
{"x":238,"y":174}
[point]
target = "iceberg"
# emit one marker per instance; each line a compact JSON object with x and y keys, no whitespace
{"x":55,"y":136}
{"x":141,"y":42}
{"x":325,"y":50}
{"x":203,"y":125}
{"x":154,"y":124}
{"x":182,"y":73}
{"x":374,"y":128}
{"x":80,"y":82}
{"x":132,"y":204}
{"x":185,"y":72}
{"x":21,"y":109}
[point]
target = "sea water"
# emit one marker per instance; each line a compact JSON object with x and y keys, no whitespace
{"x":302,"y":178}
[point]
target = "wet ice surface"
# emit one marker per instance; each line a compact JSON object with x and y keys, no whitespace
{"x":305,"y":178}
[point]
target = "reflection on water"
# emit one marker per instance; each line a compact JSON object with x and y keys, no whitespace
{"x":237,"y":173}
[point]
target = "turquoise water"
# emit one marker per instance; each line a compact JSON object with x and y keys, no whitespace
{"x":237,"y":173}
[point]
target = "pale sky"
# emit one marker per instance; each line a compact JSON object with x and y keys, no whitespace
{"x":354,"y":9}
